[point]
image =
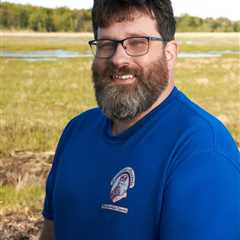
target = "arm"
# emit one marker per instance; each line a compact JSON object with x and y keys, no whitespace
{"x":202,"y":199}
{"x":47,"y":231}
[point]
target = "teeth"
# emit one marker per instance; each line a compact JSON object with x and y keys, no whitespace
{"x":124,"y":77}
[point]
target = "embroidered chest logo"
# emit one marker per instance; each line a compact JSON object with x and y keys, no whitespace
{"x":124,"y":180}
{"x":121,"y":183}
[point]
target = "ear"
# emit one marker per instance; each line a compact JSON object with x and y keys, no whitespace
{"x":171,"y":50}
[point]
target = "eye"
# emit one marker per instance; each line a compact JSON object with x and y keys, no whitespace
{"x":102,"y":45}
{"x":137,"y":42}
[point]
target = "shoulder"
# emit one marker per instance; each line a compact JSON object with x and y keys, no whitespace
{"x":88,"y":114}
{"x":200,"y":131}
{"x":85,"y":118}
{"x":80,"y":123}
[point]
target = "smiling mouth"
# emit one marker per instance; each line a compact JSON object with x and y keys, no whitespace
{"x":123,"y":78}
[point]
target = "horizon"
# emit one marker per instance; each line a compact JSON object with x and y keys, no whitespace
{"x":224,"y":9}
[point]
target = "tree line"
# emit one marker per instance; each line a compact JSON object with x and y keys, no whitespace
{"x":41,"y":19}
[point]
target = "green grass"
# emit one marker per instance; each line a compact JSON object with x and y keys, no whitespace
{"x":26,"y":199}
{"x":188,"y":43}
{"x":215,"y":85}
{"x":14,"y":43}
{"x":37,"y":99}
{"x":208,"y":42}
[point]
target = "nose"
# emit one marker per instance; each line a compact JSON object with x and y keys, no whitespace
{"x":120,"y":56}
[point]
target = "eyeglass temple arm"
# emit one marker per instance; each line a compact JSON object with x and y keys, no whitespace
{"x":156,"y":39}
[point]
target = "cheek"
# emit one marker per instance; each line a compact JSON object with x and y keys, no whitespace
{"x":155,"y":54}
{"x":100,"y":71}
{"x":95,"y":64}
{"x":99,"y":65}
{"x":145,"y":62}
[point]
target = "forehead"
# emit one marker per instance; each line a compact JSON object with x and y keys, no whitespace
{"x":140,"y":24}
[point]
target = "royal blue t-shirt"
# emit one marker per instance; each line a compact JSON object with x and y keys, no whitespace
{"x":174,"y":175}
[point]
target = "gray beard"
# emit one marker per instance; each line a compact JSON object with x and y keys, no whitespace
{"x":125,"y":102}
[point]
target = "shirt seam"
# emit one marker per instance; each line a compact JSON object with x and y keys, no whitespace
{"x":237,"y":167}
{"x":209,"y":124}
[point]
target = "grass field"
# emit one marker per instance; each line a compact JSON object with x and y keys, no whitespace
{"x":38,"y":98}
{"x":77,"y":42}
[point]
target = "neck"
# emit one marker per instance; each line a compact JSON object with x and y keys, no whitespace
{"x":120,"y":126}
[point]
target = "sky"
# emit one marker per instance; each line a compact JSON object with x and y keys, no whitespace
{"x":203,"y":8}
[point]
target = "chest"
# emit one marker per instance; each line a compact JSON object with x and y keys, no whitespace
{"x":110,"y":187}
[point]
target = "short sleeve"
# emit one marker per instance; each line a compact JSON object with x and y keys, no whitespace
{"x":202,"y":199}
{"x":47,"y":211}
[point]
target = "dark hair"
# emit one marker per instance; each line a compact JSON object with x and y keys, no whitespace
{"x":105,"y":12}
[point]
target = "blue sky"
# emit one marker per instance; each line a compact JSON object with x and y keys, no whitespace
{"x":203,"y":8}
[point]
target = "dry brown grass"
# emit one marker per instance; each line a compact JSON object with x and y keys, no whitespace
{"x":22,"y":220}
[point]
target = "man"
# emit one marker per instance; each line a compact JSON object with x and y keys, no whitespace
{"x":148,"y":164}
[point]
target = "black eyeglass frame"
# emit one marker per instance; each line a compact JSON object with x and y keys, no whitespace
{"x":116,"y":42}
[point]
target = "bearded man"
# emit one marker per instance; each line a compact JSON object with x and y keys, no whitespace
{"x":148,"y":163}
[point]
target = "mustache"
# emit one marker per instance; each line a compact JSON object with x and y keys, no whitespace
{"x":111,"y":70}
{"x":123,"y":71}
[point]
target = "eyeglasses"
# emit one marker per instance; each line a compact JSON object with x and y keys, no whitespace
{"x":133,"y":46}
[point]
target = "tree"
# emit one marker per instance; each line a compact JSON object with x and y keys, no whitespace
{"x":20,"y":16}
{"x":23,"y":18}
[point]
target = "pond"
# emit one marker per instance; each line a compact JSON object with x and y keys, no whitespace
{"x":210,"y":54}
{"x":56,"y":54}
{"x":43,"y":55}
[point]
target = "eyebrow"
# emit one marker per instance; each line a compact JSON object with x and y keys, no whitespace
{"x":142,"y":34}
{"x":137,"y":34}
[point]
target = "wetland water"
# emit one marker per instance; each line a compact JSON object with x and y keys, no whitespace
{"x":55,"y":54}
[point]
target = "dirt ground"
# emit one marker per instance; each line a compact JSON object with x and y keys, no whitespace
{"x":20,"y":227}
{"x":22,"y":169}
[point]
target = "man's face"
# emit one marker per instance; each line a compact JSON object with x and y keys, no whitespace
{"x":124,"y":85}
